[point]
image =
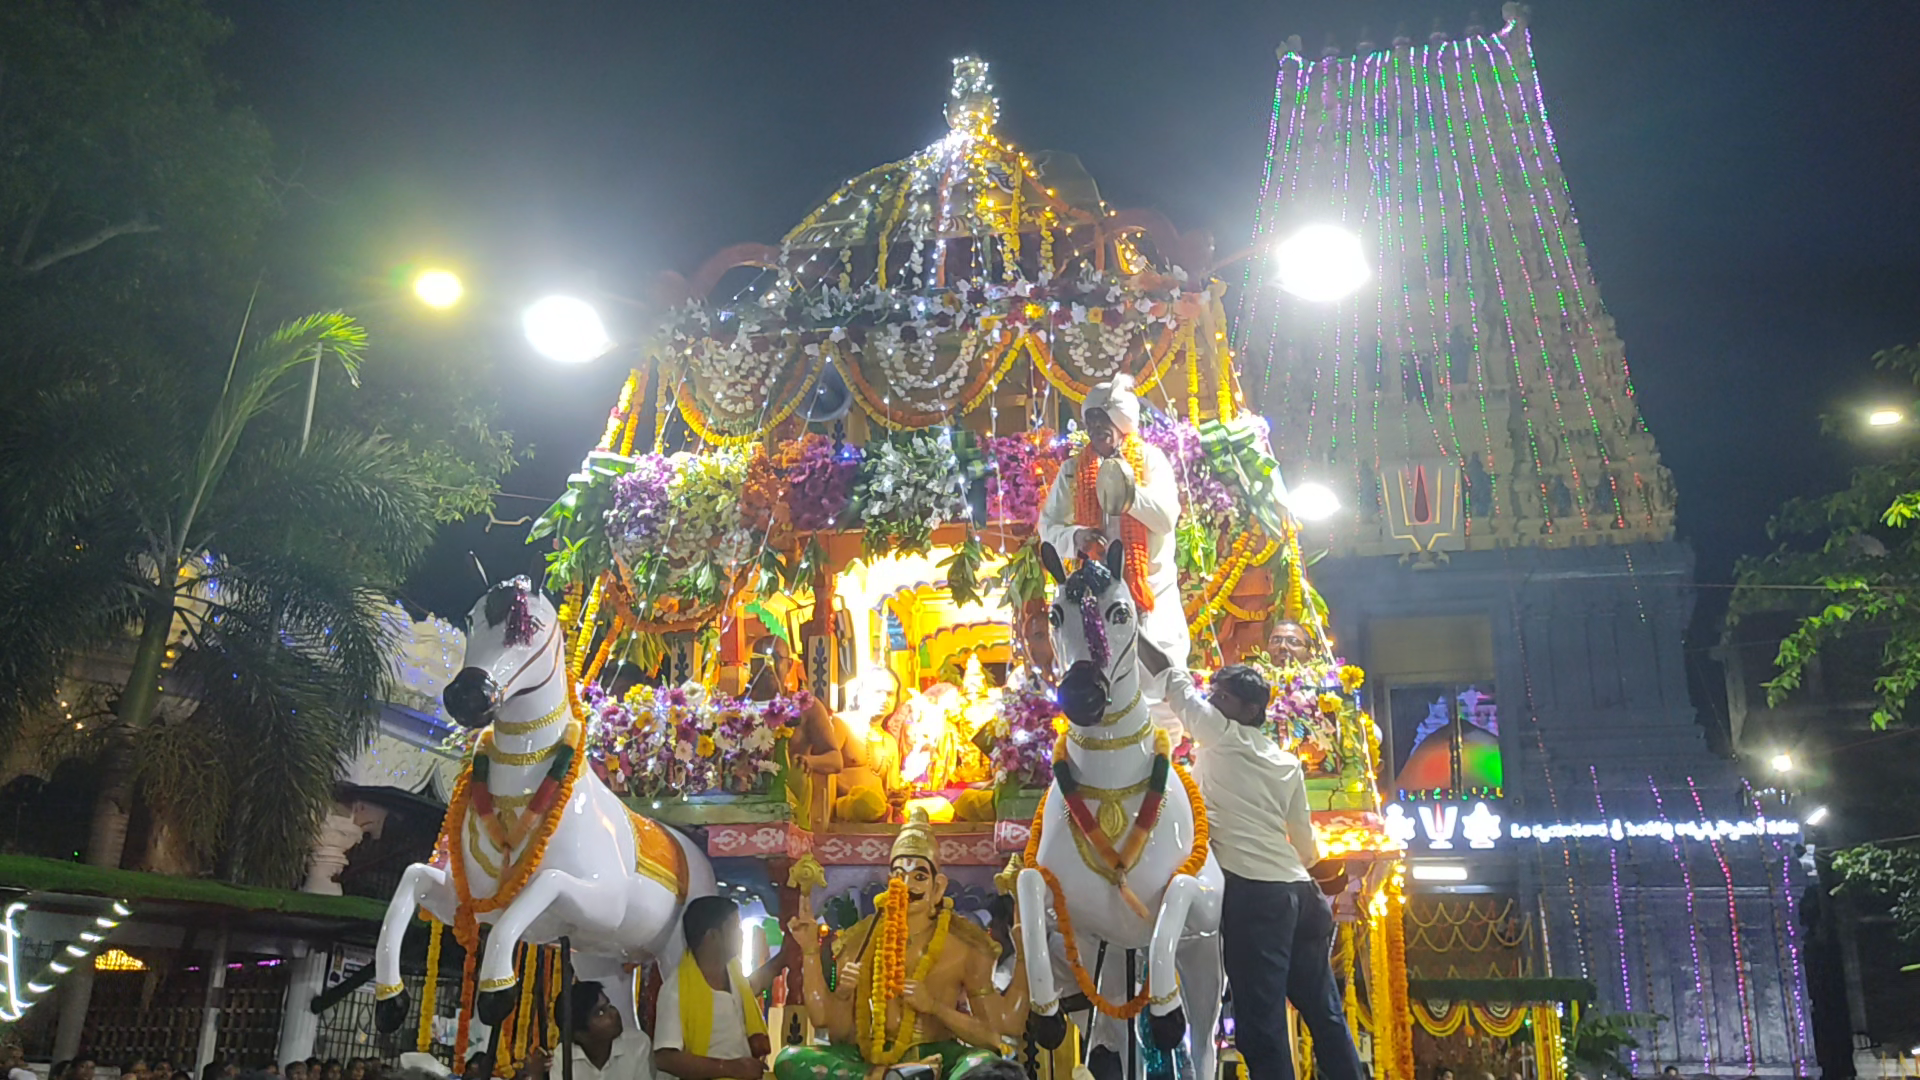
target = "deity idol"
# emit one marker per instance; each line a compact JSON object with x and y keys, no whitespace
{"x":915,"y":980}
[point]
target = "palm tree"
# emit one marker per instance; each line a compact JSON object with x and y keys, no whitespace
{"x":252,"y":568}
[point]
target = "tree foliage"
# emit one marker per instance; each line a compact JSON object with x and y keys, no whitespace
{"x":1850,"y":560}
{"x":114,"y":128}
{"x":263,"y":566}
{"x":161,"y":501}
{"x":1888,"y":874}
{"x":1596,"y":1043}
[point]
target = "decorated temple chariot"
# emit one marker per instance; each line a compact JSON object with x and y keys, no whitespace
{"x":805,"y":576}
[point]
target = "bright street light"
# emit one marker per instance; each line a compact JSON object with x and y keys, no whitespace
{"x":1312,"y":502}
{"x":1886,"y":418}
{"x":438,"y":289}
{"x":566,"y":329}
{"x":1818,"y":815}
{"x":1321,"y":263}
{"x":1782,"y":762}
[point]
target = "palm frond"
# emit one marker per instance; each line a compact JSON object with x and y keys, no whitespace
{"x":182,"y":771}
{"x":348,"y":497}
{"x":255,"y":382}
{"x":284,"y":720}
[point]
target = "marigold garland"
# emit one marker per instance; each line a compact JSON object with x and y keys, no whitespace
{"x":523,"y":1018}
{"x":887,"y":977}
{"x":1402,"y":1013}
{"x":584,"y":634}
{"x":1160,"y":359}
{"x":606,"y":649}
{"x":1133,"y":532}
{"x":1193,"y":381}
{"x":633,"y":413}
{"x":1380,"y":998}
{"x":1009,"y":354}
{"x":466,"y":927}
{"x":1259,"y":614}
{"x":430,"y":993}
{"x":550,"y":969}
{"x":1196,"y":859}
{"x":620,"y":414}
{"x":1224,"y":579}
{"x":1223,"y":391}
{"x":902,"y":418}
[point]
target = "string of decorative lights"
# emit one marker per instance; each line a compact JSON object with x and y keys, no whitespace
{"x":18,"y":999}
{"x":1785,"y":937}
{"x":1487,"y":233}
{"x":1564,"y":410}
{"x":1533,"y":193}
{"x":1700,"y":998}
{"x":1443,"y":373}
{"x":1733,"y":929}
{"x":1619,"y":914}
{"x":1568,"y":852}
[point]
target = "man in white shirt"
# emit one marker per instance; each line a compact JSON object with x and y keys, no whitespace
{"x":15,"y":1059}
{"x":707,"y":1022}
{"x":601,"y":1050}
{"x":1276,"y":927}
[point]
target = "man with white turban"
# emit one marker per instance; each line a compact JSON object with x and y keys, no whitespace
{"x":1119,"y":489}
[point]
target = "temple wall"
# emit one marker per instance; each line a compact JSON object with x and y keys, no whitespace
{"x":1596,"y":725}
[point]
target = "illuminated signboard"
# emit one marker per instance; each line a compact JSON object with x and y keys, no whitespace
{"x":1476,"y":826}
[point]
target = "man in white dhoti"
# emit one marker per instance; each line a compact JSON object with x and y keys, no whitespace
{"x":1119,"y":489}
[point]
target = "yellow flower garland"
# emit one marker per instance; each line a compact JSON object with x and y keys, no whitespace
{"x":1218,"y":592}
{"x":523,"y":1017}
{"x":886,"y":976}
{"x":1193,"y":381}
{"x":429,"y":994}
{"x":619,"y":415}
{"x":584,"y":634}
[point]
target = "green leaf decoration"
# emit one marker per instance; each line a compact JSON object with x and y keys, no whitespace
{"x":963,"y":569}
{"x":774,"y":624}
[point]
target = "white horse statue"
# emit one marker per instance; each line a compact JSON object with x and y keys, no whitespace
{"x":574,"y":860}
{"x":1122,"y":874}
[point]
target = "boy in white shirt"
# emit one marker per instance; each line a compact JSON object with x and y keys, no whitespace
{"x":1276,"y":927}
{"x":601,"y":1049}
{"x":707,"y":1022}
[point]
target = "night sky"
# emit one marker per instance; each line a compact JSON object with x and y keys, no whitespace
{"x":1747,"y":176}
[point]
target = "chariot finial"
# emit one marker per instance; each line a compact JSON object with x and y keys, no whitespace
{"x":971,"y":106}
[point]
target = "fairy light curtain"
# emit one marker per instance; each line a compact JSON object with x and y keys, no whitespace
{"x":1481,"y":343}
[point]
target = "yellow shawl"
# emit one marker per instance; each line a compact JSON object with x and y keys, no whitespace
{"x":696,"y":1006}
